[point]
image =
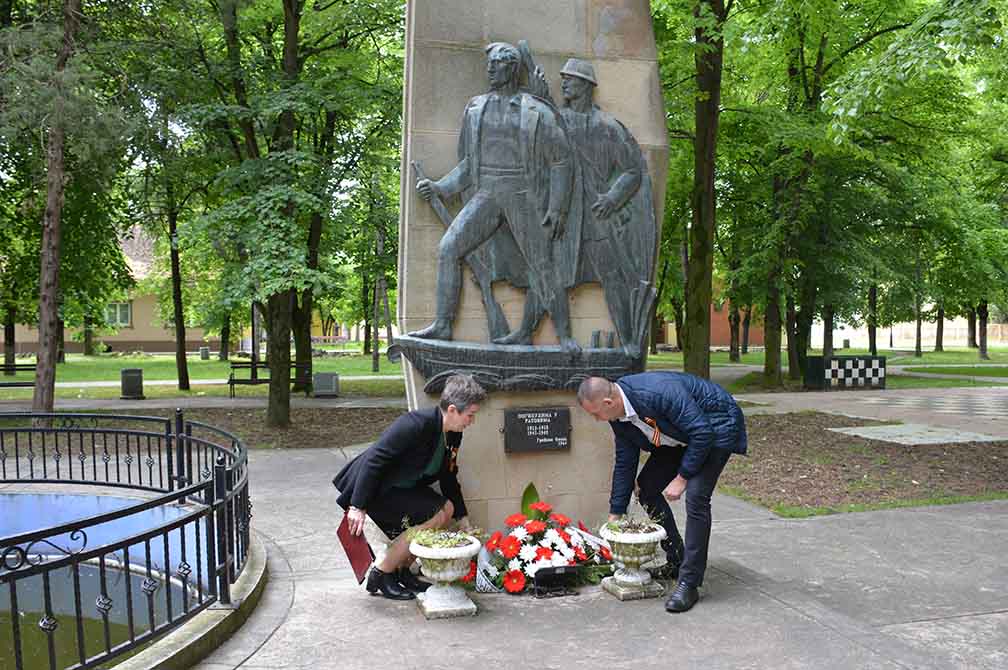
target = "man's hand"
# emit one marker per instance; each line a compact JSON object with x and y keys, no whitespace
{"x":428,"y":189}
{"x":355,"y":520}
{"x":604,"y":206}
{"x":675,"y":488}
{"x":555,"y":219}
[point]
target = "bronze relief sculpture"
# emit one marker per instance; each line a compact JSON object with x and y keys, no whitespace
{"x":553,"y":197}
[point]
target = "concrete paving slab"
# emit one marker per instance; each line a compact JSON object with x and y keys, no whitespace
{"x":970,"y":643}
{"x":916,"y":433}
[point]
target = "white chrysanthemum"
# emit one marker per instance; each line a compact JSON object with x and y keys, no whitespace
{"x":567,"y":552}
{"x":575,"y":536}
{"x":559,"y":559}
{"x":551,"y":536}
{"x":514,"y":564}
{"x":531,"y":569}
{"x":527,"y":552}
{"x":519,"y":532}
{"x":545,"y":543}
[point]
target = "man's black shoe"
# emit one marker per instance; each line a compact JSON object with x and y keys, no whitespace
{"x":410,"y":581}
{"x":387,"y":584}
{"x":682,"y":598}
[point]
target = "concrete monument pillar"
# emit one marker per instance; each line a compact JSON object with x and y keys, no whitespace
{"x":560,"y":304}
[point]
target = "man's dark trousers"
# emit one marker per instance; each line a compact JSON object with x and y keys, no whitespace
{"x":660,"y":469}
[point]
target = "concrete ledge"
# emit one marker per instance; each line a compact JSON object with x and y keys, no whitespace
{"x":186,"y":646}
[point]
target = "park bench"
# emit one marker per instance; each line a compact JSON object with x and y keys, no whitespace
{"x":16,"y":368}
{"x":300,"y":373}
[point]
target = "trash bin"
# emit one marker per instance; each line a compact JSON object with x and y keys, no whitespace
{"x":132,"y":384}
{"x":325,"y":384}
{"x":204,"y":353}
{"x":846,"y":344}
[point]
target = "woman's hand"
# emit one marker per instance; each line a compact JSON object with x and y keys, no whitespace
{"x":355,"y":520}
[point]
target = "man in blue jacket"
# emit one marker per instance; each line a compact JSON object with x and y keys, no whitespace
{"x":690,"y":427}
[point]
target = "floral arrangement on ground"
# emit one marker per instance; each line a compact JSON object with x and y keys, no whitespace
{"x":537,"y":539}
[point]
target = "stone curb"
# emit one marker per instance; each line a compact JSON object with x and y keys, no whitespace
{"x":195,"y":640}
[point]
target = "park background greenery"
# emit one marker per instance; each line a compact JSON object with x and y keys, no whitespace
{"x":838,"y":161}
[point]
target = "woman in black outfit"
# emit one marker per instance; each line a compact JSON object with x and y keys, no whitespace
{"x":390,"y":481}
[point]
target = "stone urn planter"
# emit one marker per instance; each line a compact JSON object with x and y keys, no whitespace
{"x":632,"y":548}
{"x":444,"y":566}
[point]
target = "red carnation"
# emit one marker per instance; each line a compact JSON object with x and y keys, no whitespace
{"x":515,"y":520}
{"x":560,"y":519}
{"x":580,"y":554}
{"x":514,"y":581}
{"x":509,"y":546}
{"x":471,"y":575}
{"x":564,"y":535}
{"x":534,"y":527}
{"x":582,"y":527}
{"x":544,"y":552}
{"x":606,"y":554}
{"x":494,"y":541}
{"x":541,"y":506}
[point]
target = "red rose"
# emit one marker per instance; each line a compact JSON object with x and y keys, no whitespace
{"x":471,"y":575}
{"x":560,"y":519}
{"x":494,"y":541}
{"x":509,"y":546}
{"x":580,"y":554}
{"x":514,"y":581}
{"x":606,"y":554}
{"x":544,"y":552}
{"x":515,"y":520}
{"x":540,"y":506}
{"x":534,"y":527}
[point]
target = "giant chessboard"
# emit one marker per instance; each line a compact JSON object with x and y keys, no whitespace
{"x":835,"y":373}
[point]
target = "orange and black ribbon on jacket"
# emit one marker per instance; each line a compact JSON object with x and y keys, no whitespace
{"x":656,"y":436}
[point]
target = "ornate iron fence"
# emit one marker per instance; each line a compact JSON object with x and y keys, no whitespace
{"x":81,"y":593}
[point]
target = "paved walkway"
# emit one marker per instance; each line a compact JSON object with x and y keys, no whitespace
{"x":921,"y":588}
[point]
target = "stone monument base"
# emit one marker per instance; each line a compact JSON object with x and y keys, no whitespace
{"x":445,"y":602}
{"x":632,"y":592}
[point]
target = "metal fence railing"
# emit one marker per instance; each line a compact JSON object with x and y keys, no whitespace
{"x":77,"y":594}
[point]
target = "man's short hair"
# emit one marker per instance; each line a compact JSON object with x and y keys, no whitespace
{"x":461,"y":391}
{"x":503,"y":51}
{"x":594,"y":389}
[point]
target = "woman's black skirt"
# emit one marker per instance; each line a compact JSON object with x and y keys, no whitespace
{"x":400,"y":508}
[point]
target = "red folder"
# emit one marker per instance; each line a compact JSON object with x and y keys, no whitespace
{"x":356,"y":548}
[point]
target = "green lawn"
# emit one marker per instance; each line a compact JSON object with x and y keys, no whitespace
{"x":966,"y":370}
{"x":80,"y":368}
{"x":753,"y":383}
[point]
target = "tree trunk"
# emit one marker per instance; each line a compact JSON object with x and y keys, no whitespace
{"x":366,"y":304}
{"x":6,"y":13}
{"x":827,"y":317}
{"x":791,"y":325}
{"x":745,"y":329}
{"x":89,"y":349}
{"x":301,"y":318}
{"x":181,"y":364}
{"x":225,"y":339}
{"x":733,"y":324}
{"x":940,"y":328}
{"x":60,"y":341}
{"x":982,"y":315}
{"x":708,"y":59}
{"x":655,"y":321}
{"x":9,"y":349}
{"x":772,"y":333}
{"x":679,"y":318}
{"x":376,"y":348}
{"x":873,"y":320}
{"x":278,"y":350}
{"x":45,"y":372}
{"x":971,"y":328}
{"x":803,"y":323}
{"x":918,"y":351}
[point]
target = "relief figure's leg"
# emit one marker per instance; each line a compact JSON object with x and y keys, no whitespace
{"x":474,"y":225}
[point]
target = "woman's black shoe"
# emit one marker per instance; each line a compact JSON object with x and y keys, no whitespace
{"x":410,"y":581}
{"x":387,"y":584}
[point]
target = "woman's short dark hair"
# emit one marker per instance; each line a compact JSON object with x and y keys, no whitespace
{"x":461,"y":391}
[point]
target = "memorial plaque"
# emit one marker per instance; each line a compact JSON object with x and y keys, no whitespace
{"x":537,"y":429}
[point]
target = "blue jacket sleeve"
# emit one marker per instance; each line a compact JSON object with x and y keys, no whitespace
{"x":681,"y":409}
{"x":624,"y":472}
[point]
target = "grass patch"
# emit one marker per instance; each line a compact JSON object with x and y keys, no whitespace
{"x":967,"y":370}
